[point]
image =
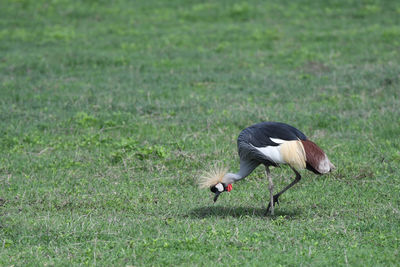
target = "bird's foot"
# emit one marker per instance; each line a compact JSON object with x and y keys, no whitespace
{"x":276,"y":201}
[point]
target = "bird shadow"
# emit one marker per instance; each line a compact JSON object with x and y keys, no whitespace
{"x":221,"y":211}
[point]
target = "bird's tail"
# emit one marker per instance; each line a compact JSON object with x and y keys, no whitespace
{"x":212,"y":176}
{"x":317,"y":160}
{"x":301,"y":154}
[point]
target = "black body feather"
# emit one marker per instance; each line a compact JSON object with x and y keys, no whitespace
{"x":258,"y":135}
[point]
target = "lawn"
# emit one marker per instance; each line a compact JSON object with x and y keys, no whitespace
{"x":110,"y":111}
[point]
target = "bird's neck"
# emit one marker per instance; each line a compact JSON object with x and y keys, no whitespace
{"x":245,"y":169}
{"x":230,"y":178}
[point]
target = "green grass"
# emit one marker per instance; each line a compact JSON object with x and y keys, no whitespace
{"x":109,"y":110}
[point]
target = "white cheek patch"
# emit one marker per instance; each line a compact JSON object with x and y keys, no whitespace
{"x":220,"y":187}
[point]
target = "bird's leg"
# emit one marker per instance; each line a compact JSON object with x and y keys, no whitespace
{"x":271,"y":190}
{"x":296,"y":180}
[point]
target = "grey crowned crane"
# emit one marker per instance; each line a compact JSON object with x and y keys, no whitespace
{"x":270,"y":144}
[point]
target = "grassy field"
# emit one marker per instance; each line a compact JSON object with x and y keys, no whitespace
{"x":109,"y":110}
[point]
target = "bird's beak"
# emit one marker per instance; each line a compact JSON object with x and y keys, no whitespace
{"x":216,"y":196}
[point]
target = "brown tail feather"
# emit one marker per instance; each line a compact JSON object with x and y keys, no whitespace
{"x":316,"y":159}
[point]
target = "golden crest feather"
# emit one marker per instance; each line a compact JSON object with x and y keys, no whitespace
{"x":212,"y":176}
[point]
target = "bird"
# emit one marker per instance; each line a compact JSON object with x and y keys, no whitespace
{"x":270,"y":144}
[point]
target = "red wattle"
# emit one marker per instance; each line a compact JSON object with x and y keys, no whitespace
{"x":229,"y":188}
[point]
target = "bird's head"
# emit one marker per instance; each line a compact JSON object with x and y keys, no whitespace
{"x":219,"y":188}
{"x":213,"y":178}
